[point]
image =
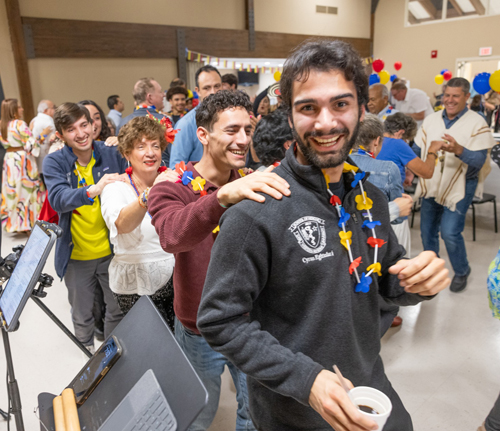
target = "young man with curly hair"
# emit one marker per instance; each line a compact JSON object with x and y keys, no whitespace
{"x":186,"y":217}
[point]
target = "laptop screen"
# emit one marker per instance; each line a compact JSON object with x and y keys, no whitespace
{"x":23,"y":273}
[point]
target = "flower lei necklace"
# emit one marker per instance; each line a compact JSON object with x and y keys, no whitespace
{"x":146,"y":106}
{"x":363,"y":202}
{"x":82,"y":182}
{"x":198,"y":183}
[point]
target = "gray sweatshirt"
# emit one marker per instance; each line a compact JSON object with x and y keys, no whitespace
{"x":279,"y":301}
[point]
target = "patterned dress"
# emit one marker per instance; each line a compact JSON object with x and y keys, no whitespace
{"x":494,"y":286}
{"x":21,"y":202}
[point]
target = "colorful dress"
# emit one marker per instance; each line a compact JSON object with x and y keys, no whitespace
{"x":21,"y":202}
{"x":494,"y":286}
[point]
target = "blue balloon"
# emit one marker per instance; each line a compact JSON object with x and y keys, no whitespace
{"x":443,"y":71}
{"x":481,"y":83}
{"x":393,"y":77}
{"x":374,"y":79}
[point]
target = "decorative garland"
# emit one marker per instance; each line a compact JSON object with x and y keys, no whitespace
{"x":82,"y":182}
{"x":198,"y":183}
{"x":363,"y":202}
{"x":170,"y":132}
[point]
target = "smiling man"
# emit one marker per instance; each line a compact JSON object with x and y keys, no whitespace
{"x":186,"y":216}
{"x":187,"y":146}
{"x":458,"y":177}
{"x":378,"y":101}
{"x":290,"y":289}
{"x":75,"y":177}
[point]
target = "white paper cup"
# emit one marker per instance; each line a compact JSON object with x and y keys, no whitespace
{"x":380,"y":402}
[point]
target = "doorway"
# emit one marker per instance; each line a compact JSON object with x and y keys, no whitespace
{"x":468,"y":68}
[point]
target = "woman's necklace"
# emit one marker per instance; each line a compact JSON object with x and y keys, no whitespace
{"x":135,"y":188}
{"x":363,"y":202}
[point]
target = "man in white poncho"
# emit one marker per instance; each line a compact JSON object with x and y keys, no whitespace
{"x":461,"y":167}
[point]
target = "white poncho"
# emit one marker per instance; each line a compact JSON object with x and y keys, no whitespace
{"x":447,"y":185}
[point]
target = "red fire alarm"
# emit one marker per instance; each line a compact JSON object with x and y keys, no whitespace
{"x":434,"y":54}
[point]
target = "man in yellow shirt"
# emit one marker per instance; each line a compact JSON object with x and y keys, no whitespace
{"x":75,"y":177}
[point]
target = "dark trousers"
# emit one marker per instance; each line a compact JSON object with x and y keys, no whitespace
{"x":82,"y":279}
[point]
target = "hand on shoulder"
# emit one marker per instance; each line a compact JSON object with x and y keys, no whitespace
{"x":248,"y":186}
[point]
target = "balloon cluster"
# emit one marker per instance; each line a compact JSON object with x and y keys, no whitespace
{"x":382,"y":76}
{"x":444,"y":75}
{"x":484,"y":82}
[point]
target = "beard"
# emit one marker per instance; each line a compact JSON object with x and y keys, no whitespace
{"x":328,"y":159}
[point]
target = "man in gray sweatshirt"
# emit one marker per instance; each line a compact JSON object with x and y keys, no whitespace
{"x":292,"y":286}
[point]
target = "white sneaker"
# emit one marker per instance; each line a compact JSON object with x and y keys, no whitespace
{"x":90,"y":348}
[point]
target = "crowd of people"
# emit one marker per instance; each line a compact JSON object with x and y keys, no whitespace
{"x":259,"y":228}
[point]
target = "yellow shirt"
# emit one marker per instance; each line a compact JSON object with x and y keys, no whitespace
{"x":88,"y":229}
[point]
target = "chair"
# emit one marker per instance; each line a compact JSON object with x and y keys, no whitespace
{"x":486,"y":198}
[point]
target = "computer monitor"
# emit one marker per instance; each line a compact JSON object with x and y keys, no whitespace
{"x":25,"y":276}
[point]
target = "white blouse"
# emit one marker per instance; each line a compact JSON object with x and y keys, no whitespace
{"x":139,"y":264}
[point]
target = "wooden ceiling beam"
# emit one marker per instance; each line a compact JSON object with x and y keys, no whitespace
{"x":429,"y":7}
{"x":457,"y":7}
{"x":480,"y":9}
{"x":412,"y":19}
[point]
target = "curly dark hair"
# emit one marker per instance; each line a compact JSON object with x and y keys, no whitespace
{"x":172,"y":91}
{"x":208,"y":110}
{"x":137,"y":129}
{"x":399,"y":121}
{"x":323,"y":55}
{"x":270,"y":135}
{"x":105,"y":132}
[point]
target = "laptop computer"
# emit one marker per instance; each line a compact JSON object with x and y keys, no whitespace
{"x":144,"y":408}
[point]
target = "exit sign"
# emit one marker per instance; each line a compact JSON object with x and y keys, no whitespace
{"x":485,"y":51}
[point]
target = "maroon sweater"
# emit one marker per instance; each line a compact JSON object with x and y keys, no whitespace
{"x":184,"y":221}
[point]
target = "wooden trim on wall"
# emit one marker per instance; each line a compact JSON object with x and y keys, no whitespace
{"x":21,"y":62}
{"x":57,"y":38}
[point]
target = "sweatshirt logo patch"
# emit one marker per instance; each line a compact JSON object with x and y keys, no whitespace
{"x":310,"y":233}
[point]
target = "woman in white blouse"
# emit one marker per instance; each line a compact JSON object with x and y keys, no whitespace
{"x":139,"y":266}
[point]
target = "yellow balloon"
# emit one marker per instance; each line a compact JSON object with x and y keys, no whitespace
{"x":495,"y":81}
{"x":439,"y":79}
{"x":277,"y":75}
{"x":384,"y":76}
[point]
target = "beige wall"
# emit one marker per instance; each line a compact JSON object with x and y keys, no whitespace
{"x":63,"y":80}
{"x":74,"y":79}
{"x":300,"y":17}
{"x":7,"y":65}
{"x":413,"y":45}
{"x":194,"y":13}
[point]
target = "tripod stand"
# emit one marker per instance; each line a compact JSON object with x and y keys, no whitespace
{"x":44,"y":281}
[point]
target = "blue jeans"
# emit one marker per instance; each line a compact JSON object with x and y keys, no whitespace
{"x":209,"y":366}
{"x":436,"y":217}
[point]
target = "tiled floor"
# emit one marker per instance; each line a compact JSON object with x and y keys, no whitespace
{"x":443,"y":361}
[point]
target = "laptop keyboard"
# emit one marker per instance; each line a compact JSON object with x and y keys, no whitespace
{"x":156,"y":416}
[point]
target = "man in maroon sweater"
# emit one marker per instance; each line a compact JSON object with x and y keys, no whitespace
{"x":186,"y":215}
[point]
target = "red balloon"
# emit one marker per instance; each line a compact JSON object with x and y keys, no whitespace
{"x":398,"y":65}
{"x":378,"y":65}
{"x":447,"y":75}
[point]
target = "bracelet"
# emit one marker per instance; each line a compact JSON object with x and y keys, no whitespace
{"x":88,"y":195}
{"x":432,"y":154}
{"x":143,"y":198}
